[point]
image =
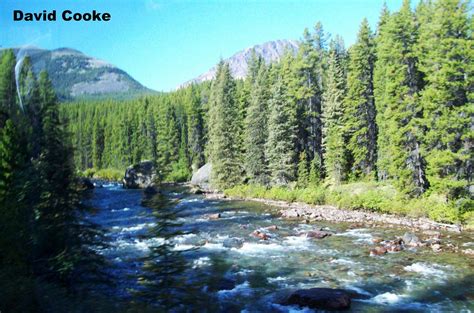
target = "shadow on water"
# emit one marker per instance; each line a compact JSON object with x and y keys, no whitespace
{"x":166,"y":283}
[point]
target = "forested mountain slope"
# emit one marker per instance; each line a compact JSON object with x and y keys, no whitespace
{"x":75,"y":74}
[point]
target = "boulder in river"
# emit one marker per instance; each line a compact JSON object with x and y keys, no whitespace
{"x":140,"y":176}
{"x":320,"y":298}
{"x":202,"y":177}
{"x":86,"y":184}
{"x":411,"y":240}
{"x":318,"y":234}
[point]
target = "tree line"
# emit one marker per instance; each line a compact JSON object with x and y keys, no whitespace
{"x":396,"y":107}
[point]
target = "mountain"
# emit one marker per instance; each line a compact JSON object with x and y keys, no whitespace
{"x":270,"y":51}
{"x":75,"y":74}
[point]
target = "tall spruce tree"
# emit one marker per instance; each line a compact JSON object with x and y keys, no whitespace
{"x":360,"y":113}
{"x":8,"y":94}
{"x":397,"y":83}
{"x":256,"y":131}
{"x":195,"y":125}
{"x":282,"y":134}
{"x":335,"y":153}
{"x":309,"y":67}
{"x":224,"y":139}
{"x":445,"y":51}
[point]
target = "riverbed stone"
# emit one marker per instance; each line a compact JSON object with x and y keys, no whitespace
{"x":140,"y":176}
{"x":410,"y":239}
{"x":378,"y":251}
{"x":260,"y":235}
{"x":233,"y":243}
{"x":317,"y":234}
{"x":320,"y":298}
{"x":214,"y":216}
{"x":86,"y":184}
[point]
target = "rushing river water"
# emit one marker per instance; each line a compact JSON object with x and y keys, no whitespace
{"x":241,"y":273}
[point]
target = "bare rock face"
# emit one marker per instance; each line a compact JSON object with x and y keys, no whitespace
{"x":202,"y":177}
{"x":140,"y":176}
{"x":270,"y":51}
{"x":321,"y":298}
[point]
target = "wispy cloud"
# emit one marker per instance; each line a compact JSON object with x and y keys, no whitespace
{"x":152,"y":4}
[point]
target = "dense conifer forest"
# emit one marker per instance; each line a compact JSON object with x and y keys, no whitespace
{"x":391,"y":115}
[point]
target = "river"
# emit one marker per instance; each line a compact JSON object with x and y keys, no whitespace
{"x":237,"y":272}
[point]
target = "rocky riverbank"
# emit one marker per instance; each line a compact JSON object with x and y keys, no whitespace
{"x":303,"y":211}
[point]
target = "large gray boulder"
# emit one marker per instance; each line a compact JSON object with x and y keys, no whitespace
{"x":202,"y":177}
{"x":140,"y":176}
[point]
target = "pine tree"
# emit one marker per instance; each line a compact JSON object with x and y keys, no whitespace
{"x":445,"y":51}
{"x":224,"y":145}
{"x":303,"y":173}
{"x":335,"y":155}
{"x":58,"y":243}
{"x":397,"y":83}
{"x":8,"y":94}
{"x":97,"y":142}
{"x":309,"y":67}
{"x":282,"y":130}
{"x":256,"y":131}
{"x":360,"y":113}
{"x":195,"y":129}
{"x":316,"y":171}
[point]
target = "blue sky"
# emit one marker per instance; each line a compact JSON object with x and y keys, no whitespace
{"x":163,"y":43}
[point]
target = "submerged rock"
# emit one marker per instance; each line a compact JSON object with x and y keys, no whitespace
{"x":233,"y":243}
{"x":320,"y":298}
{"x":139,"y":176}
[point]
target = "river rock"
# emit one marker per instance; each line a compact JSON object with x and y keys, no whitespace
{"x":410,"y":239}
{"x":272,"y":227}
{"x":378,"y":251}
{"x":140,"y":176}
{"x":436,"y":247}
{"x":233,"y":243}
{"x":260,"y":235}
{"x":202,"y":177}
{"x":293,"y":213}
{"x":214,"y":216}
{"x":320,"y":298}
{"x":318,"y":234}
{"x":196,"y":190}
{"x":468,"y":252}
{"x":86,"y":184}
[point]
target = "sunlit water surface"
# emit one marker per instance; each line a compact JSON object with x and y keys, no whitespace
{"x":255,"y":275}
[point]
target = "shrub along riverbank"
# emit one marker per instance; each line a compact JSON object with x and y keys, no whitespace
{"x":375,"y":197}
{"x":110,"y":174}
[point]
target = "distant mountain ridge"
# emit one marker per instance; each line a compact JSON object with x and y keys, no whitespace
{"x":75,"y":74}
{"x":270,"y":51}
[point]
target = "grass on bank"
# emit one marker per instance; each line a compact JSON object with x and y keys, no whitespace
{"x":375,"y":197}
{"x":109,"y":174}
